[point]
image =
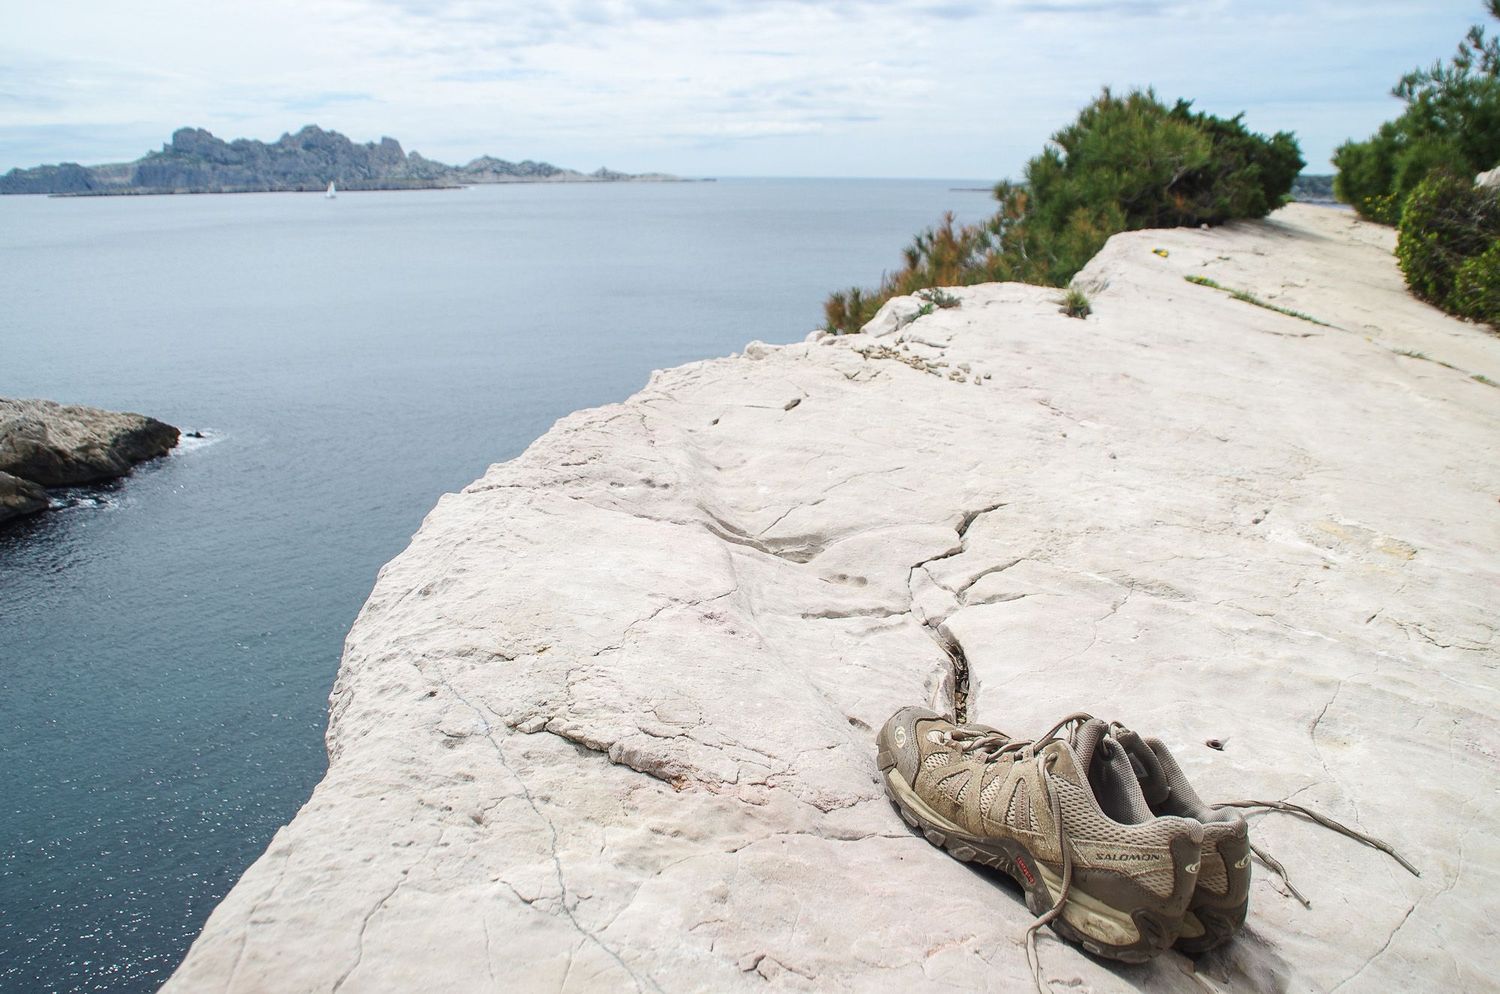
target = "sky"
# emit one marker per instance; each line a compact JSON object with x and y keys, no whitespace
{"x":887,"y":88}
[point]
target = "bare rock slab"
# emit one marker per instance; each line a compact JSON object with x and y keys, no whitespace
{"x":606,"y":724}
{"x":58,"y":445}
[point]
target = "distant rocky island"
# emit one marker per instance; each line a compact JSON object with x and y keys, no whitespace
{"x":195,"y":161}
{"x":1311,"y":189}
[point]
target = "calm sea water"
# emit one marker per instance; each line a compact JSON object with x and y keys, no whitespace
{"x":167,"y":644}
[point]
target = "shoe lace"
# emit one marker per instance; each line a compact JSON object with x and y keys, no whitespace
{"x":991,"y":747}
{"x":1275,"y":864}
{"x":1033,"y":959}
{"x":1326,"y":822}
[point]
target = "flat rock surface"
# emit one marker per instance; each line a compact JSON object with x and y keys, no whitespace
{"x":59,"y":445}
{"x":606,"y":725}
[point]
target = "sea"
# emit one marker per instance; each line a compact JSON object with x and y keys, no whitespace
{"x":167,"y":642}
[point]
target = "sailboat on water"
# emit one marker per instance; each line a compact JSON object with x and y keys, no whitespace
{"x":331,"y":191}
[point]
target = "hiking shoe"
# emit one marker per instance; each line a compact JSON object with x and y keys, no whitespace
{"x":1222,"y":898}
{"x":1119,"y":888}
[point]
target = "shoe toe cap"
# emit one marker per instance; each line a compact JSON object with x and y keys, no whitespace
{"x":898,"y":741}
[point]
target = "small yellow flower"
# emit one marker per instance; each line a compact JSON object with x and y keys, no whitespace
{"x":1161,"y":252}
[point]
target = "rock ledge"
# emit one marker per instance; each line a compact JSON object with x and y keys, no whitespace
{"x":606,"y":725}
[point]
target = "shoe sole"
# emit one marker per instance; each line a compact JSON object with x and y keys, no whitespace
{"x":1091,"y":923}
{"x":1215,"y":928}
{"x":1213,"y":919}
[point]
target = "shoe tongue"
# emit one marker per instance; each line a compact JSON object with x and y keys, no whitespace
{"x":975,"y":726}
{"x":1154,"y":783}
{"x":1109,"y":773}
{"x":1085,"y":741}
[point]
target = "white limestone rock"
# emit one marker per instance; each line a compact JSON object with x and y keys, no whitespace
{"x":1490,"y":179}
{"x":606,"y":725}
{"x":894,"y":314}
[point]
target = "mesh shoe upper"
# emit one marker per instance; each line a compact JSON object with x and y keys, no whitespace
{"x":985,"y":793}
{"x":1219,"y":904}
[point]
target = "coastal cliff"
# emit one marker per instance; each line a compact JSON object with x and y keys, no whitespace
{"x":606,"y":724}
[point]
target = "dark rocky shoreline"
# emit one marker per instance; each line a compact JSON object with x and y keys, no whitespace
{"x":46,"y":444}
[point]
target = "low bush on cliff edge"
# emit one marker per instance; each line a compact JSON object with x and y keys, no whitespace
{"x":1451,"y":122}
{"x":1448,"y":245}
{"x":1127,"y":162}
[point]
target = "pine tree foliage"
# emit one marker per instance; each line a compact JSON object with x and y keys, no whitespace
{"x":1451,"y":122}
{"x":1127,"y":162}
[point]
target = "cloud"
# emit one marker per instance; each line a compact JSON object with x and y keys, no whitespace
{"x":322,"y":101}
{"x":954,"y":11}
{"x":91,"y":144}
{"x":805,"y":87}
{"x":1124,"y":8}
{"x":568,"y":21}
{"x":35,"y":86}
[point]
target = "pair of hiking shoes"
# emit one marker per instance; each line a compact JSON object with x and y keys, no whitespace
{"x":1098,"y":825}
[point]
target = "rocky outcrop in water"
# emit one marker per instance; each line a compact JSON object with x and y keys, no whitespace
{"x":195,"y":161}
{"x":606,"y":724}
{"x":46,"y":444}
{"x":18,"y":497}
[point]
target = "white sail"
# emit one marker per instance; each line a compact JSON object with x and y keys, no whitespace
{"x":331,"y":191}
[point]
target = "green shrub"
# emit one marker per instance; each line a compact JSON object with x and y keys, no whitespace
{"x":1075,"y":304}
{"x":1448,"y":245}
{"x":1476,"y":287}
{"x":939,"y":297}
{"x":1127,"y":162}
{"x":1250,"y":298}
{"x":848,"y":309}
{"x":1451,"y":122}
